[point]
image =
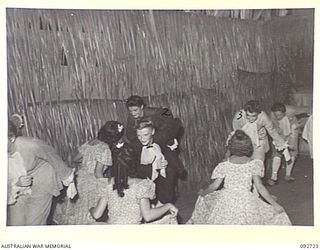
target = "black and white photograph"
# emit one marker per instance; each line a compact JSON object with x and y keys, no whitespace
{"x":181,"y":117}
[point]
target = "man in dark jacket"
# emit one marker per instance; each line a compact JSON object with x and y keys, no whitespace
{"x":168,"y":130}
{"x":167,"y":134}
{"x":156,"y":163}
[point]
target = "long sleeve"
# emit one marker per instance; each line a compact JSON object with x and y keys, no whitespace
{"x":48,"y":154}
{"x":266,"y":122}
{"x":173,"y":159}
{"x":275,"y":123}
{"x":11,"y":194}
{"x":239,"y":120}
{"x":34,"y":150}
{"x":11,"y":188}
{"x":16,"y":169}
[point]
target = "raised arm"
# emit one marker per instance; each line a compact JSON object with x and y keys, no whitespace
{"x":267,"y":123}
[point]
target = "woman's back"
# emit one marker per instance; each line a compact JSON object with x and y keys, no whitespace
{"x":126,"y":209}
{"x":93,"y":153}
{"x":238,"y":176}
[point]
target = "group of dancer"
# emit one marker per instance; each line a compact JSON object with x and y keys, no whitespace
{"x":128,"y":174}
{"x":132,"y":172}
{"x":244,"y":200}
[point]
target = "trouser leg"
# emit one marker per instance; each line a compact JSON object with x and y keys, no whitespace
{"x":290,"y":167}
{"x":258,"y":154}
{"x":165,"y":188}
{"x":38,"y":208}
{"x":276,"y":162}
{"x":16,"y":213}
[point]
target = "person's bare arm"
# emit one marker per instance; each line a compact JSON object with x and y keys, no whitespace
{"x":98,"y":171}
{"x":150,"y":214}
{"x":96,"y":212}
{"x":267,"y":123}
{"x":212,"y":187}
{"x":265,"y":194}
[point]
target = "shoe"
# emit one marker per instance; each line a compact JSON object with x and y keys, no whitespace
{"x":289,"y":179}
{"x":271,"y":182}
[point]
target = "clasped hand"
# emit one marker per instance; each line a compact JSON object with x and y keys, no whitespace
{"x":160,"y":163}
{"x":24,"y":181}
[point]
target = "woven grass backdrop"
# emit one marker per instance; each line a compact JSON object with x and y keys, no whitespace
{"x":69,"y":71}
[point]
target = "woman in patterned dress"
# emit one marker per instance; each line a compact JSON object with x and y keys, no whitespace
{"x":128,"y":198}
{"x":96,"y":158}
{"x":235,"y":204}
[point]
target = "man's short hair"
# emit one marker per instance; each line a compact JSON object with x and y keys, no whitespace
{"x":253,"y":106}
{"x":279,"y":106}
{"x":144,"y":122}
{"x":135,"y":101}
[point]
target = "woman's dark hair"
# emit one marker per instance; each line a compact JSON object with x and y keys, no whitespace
{"x":12,"y":129}
{"x":135,"y":101}
{"x":279,"y":106}
{"x":111,"y":132}
{"x":124,"y":165}
{"x":240,"y":144}
{"x":253,"y":106}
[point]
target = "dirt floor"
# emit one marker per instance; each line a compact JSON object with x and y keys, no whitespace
{"x":296,"y":197}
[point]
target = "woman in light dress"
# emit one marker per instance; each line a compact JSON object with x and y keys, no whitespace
{"x":126,"y":197}
{"x":235,"y":203}
{"x":95,"y":158}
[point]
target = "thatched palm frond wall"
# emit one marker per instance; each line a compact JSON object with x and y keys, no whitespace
{"x":254,"y":14}
{"x":71,"y":70}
